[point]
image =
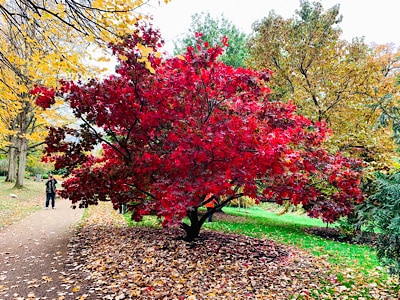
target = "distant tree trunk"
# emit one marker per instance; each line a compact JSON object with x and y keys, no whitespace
{"x":22,"y":154}
{"x":12,"y":161}
{"x":25,"y":120}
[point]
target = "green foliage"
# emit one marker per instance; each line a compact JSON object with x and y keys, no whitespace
{"x":3,"y":167}
{"x":382,"y":211}
{"x":34,"y":167}
{"x":213,"y":30}
{"x":60,"y":172}
{"x":346,"y":226}
{"x":147,"y":221}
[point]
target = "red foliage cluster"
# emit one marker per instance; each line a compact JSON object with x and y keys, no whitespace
{"x":44,"y":96}
{"x":194,"y":127}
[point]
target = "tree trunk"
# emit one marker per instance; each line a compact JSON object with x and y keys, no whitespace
{"x":193,"y":230}
{"x":25,"y":120}
{"x":22,"y":153}
{"x":12,"y":161}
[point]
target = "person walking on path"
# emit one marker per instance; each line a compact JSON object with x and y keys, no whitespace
{"x":51,"y":192}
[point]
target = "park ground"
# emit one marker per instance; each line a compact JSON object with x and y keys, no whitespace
{"x":93,"y":254}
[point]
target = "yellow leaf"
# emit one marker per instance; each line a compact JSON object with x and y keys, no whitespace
{"x":76,"y":289}
{"x":123,"y":57}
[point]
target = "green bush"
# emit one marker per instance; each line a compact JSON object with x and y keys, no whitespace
{"x":381,"y":212}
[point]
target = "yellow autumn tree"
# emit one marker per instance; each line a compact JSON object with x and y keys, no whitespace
{"x":40,"y":43}
{"x":327,"y":78}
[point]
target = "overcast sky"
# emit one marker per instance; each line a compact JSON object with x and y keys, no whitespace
{"x":377,"y":21}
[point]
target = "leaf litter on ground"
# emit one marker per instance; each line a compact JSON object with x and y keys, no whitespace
{"x":109,"y":260}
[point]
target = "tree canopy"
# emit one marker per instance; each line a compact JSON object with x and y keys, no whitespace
{"x":327,"y":78}
{"x":213,"y":30}
{"x":99,"y":21}
{"x":193,"y":127}
{"x":41,"y":42}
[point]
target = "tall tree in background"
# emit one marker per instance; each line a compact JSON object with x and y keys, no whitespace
{"x":213,"y":30}
{"x":41,"y":42}
{"x":381,"y":209}
{"x":99,"y":21}
{"x":388,"y":103}
{"x":327,"y":78}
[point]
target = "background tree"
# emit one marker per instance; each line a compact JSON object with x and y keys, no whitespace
{"x":193,"y":127}
{"x":42,"y":41}
{"x":380,"y":213}
{"x":213,"y":30}
{"x":32,"y":58}
{"x":387,"y":104}
{"x":99,"y":21}
{"x":327,"y":78}
{"x":35,"y":165}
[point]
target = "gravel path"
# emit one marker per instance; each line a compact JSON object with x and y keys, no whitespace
{"x":33,"y":252}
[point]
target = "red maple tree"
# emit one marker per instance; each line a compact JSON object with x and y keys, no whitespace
{"x":192,"y":127}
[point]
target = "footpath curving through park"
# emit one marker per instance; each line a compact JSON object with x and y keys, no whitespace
{"x":34,"y":251}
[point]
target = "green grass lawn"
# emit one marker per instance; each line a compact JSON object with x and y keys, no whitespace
{"x":288,"y":229}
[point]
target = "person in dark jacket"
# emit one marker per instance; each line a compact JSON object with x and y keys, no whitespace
{"x":51,"y":192}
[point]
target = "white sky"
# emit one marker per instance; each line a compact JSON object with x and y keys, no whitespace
{"x":377,"y":21}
